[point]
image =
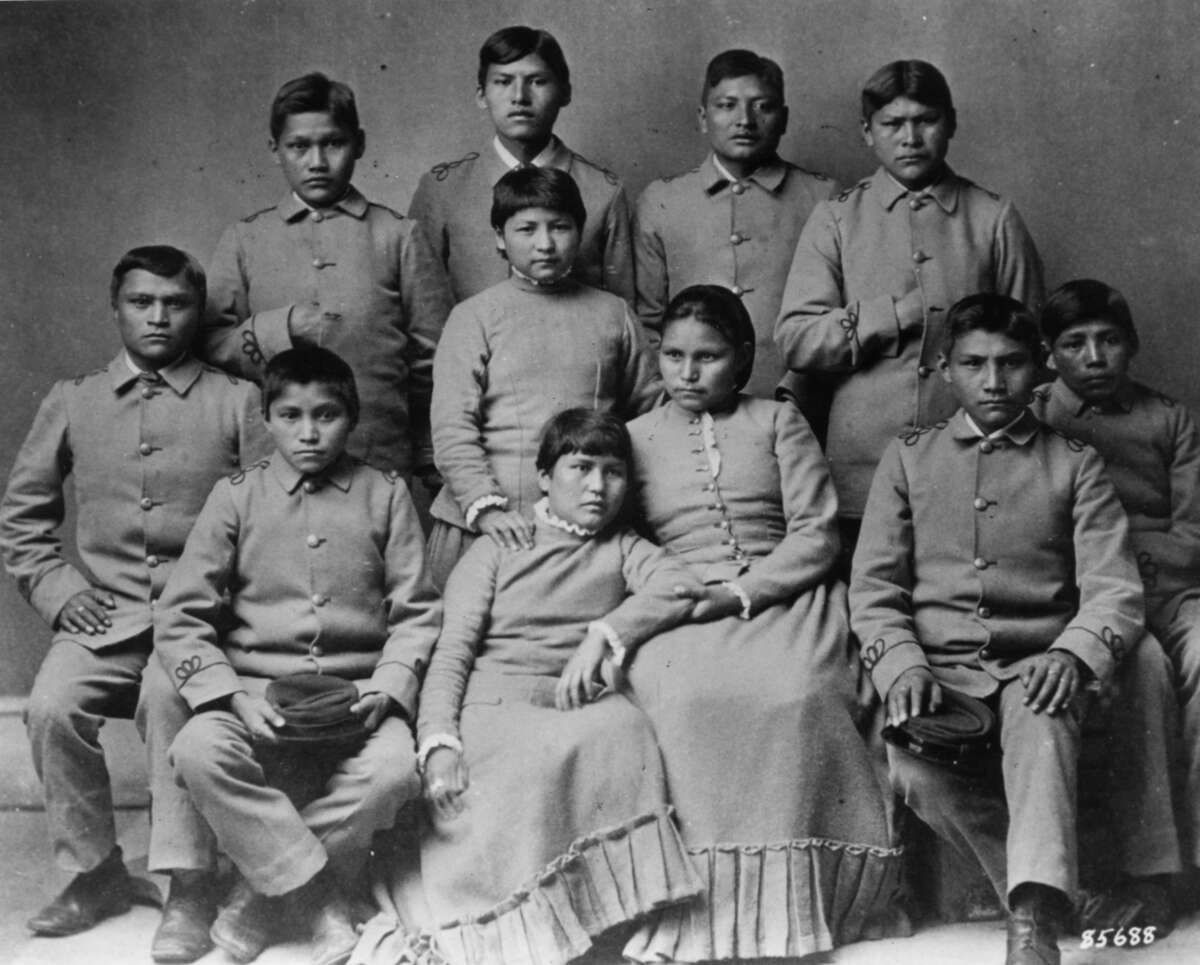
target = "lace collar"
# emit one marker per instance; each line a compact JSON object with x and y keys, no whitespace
{"x":542,"y":510}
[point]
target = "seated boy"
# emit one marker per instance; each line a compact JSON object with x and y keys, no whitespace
{"x":734,"y":219}
{"x":1150,"y":445}
{"x":321,"y":556}
{"x":523,"y":83}
{"x":994,"y":560}
{"x":145,"y":437}
{"x":327,"y":267}
{"x":875,"y":270}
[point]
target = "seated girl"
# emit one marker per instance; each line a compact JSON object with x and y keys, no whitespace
{"x":516,"y":353}
{"x":754,"y":704}
{"x":549,"y":821}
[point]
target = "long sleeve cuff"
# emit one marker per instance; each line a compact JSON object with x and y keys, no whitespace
{"x":1099,"y":654}
{"x":50,"y":594}
{"x":200,"y":685}
{"x":482,"y":503}
{"x":887,"y":661}
{"x":398,"y":681}
{"x":272,"y":331}
{"x":619,"y":650}
{"x":878,"y":329}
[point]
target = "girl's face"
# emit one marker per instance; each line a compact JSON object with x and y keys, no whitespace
{"x":586,"y":490}
{"x":699,"y":367}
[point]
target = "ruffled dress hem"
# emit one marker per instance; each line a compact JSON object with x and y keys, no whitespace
{"x":782,"y":900}
{"x":604,"y":879}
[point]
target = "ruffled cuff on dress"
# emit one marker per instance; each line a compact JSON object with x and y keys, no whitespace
{"x":783,"y":900}
{"x":605,"y":879}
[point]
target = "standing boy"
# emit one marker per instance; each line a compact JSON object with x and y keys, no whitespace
{"x":876,"y":268}
{"x":327,"y":267}
{"x":734,"y":219}
{"x":523,"y":83}
{"x":321,"y":558}
{"x":145,"y":438}
{"x":1150,"y":445}
{"x":994,"y":560}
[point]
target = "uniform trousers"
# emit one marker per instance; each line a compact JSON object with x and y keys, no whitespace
{"x":1177,"y":624}
{"x":1021,"y":824}
{"x":282,"y":815}
{"x":75,"y":690}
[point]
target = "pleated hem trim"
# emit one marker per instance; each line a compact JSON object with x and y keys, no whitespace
{"x":604,"y":879}
{"x":781,"y":900}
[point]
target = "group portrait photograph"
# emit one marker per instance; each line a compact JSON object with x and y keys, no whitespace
{"x":665,"y":482}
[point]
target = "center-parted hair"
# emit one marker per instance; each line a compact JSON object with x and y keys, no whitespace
{"x":586,"y":431}
{"x":742,"y":63}
{"x":314,"y":94}
{"x":534,"y":187}
{"x":1086,"y":300}
{"x":918,"y":80}
{"x":996,"y":314}
{"x":308,"y":365}
{"x":510,"y":44}
{"x":163,"y":261}
{"x":721,"y":310}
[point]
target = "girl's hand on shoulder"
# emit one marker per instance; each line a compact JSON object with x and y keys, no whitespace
{"x":511,"y":530}
{"x":713,"y":601}
{"x":445,"y":779}
{"x":582,"y":679}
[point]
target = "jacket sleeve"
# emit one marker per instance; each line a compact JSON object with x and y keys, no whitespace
{"x":881,"y":582}
{"x":424,"y":209}
{"x":650,"y":264}
{"x":414,"y":611}
{"x":425,"y":292}
{"x":818,"y":328}
{"x":459,"y":382}
{"x":1111,"y":613}
{"x":807,"y":552}
{"x":641,"y":384}
{"x":232,"y":338}
{"x":651,"y":576}
{"x":192,"y":603}
{"x":470,"y":593}
{"x":32,"y":513}
{"x":618,"y":248}
{"x":1018,"y":265}
{"x":1170,"y":558}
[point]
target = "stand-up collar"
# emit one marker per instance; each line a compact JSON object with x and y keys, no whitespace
{"x":1019,"y":432}
{"x":339,"y":474}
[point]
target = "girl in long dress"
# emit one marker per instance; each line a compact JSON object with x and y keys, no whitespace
{"x":549,"y":819}
{"x":754,"y":703}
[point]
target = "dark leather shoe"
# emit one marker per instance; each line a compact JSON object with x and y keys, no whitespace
{"x":182,"y":935}
{"x":245,"y":926}
{"x":91,"y":897}
{"x":1032,"y":937}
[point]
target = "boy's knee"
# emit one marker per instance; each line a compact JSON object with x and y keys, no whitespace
{"x":196,"y":752}
{"x":55,"y":709}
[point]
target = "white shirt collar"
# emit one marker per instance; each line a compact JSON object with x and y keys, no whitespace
{"x":1001,"y":433}
{"x":511,"y":161}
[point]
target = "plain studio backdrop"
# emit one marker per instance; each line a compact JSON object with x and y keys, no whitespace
{"x":145,"y":121}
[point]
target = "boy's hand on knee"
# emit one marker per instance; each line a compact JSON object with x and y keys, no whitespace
{"x":445,"y":779}
{"x":372,"y":709}
{"x":86,"y":612}
{"x":511,"y":530}
{"x":1051,"y":680}
{"x":914,"y":693}
{"x":257,"y":714}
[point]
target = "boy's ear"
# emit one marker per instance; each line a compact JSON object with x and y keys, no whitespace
{"x":500,"y":249}
{"x":702,"y":119}
{"x":1048,"y":357}
{"x":480,"y":100}
{"x":943,"y":364}
{"x":868,"y":138}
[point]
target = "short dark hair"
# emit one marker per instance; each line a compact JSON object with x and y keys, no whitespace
{"x":305,"y":365}
{"x":510,"y":44}
{"x":535,"y":187}
{"x":998,"y":314}
{"x":742,"y":63}
{"x":917,"y":80}
{"x":314,"y":93}
{"x":161,"y":260}
{"x":721,"y":310}
{"x":1086,"y":300}
{"x":589,"y":431}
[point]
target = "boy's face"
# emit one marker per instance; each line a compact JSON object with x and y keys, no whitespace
{"x":523,"y":100}
{"x":317,"y":157}
{"x":541,"y":244}
{"x":744,"y":119}
{"x":309,"y":425}
{"x":586,"y":490}
{"x":992,"y":376}
{"x":157,"y":317}
{"x":1092,"y":358}
{"x":699,"y":368}
{"x":911,"y":140}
